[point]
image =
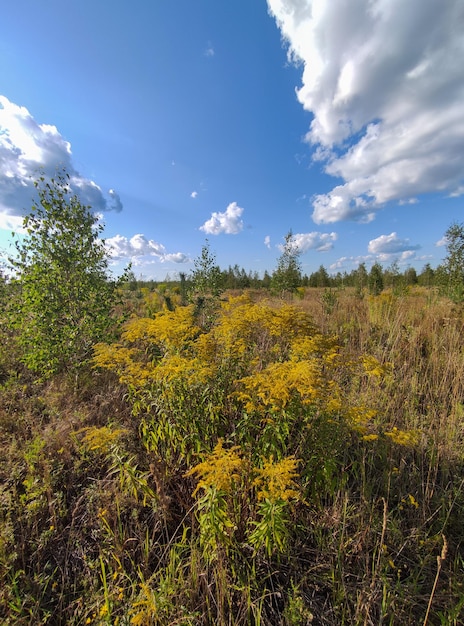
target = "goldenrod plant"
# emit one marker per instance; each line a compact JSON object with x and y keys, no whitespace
{"x":273,"y":463}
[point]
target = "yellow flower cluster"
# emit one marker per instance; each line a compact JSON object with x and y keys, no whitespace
{"x":256,"y":361}
{"x":273,"y":388}
{"x":258,"y":331}
{"x":360,"y":418}
{"x":221,"y":469}
{"x":171,"y":330}
{"x":224,"y":467}
{"x":123,"y":362}
{"x":373,"y":367}
{"x":101,"y":439}
{"x":275,"y":481}
{"x":410,"y":500}
{"x":316,"y":346}
{"x":403,"y":437}
{"x":145,"y":610}
{"x":307,"y":376}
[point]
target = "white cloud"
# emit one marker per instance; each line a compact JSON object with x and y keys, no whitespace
{"x":228,"y":222}
{"x":138,"y":246}
{"x":384,"y":82}
{"x":194,"y":194}
{"x":209,"y":52}
{"x":177,"y":257}
{"x":267,"y":242}
{"x":11,"y":222}
{"x":314,"y":241}
{"x":387,"y":246}
{"x":352,"y":262}
{"x":116,"y":201}
{"x":29,"y":149}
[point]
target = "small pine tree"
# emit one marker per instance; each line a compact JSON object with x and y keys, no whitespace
{"x":206,"y":285}
{"x":287,"y":276}
{"x":267,"y":280}
{"x":410,"y":276}
{"x":375,"y":279}
{"x":361,"y":279}
{"x":427,"y":277}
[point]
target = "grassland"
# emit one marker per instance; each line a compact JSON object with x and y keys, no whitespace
{"x":259,"y":462}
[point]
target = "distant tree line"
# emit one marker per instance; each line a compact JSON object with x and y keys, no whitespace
{"x":236,"y":277}
{"x":208,"y":278}
{"x":373,"y":280}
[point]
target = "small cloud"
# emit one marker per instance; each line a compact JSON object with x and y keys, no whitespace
{"x":322,"y":242}
{"x":176,"y":257}
{"x":339,"y":263}
{"x":209,"y":52}
{"x":442,"y":242}
{"x":407,"y":254}
{"x":350,"y":262}
{"x":194,"y":194}
{"x":138,"y":247}
{"x":29,"y":149}
{"x":408,"y":201}
{"x":267,"y":242}
{"x":228,"y":223}
{"x":390,"y":244}
{"x":386,"y":247}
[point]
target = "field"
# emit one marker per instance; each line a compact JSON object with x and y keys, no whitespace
{"x":251,"y":460}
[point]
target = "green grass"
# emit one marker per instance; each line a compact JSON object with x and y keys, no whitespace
{"x":99,"y":522}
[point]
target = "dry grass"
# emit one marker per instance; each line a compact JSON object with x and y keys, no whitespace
{"x":112,"y":536}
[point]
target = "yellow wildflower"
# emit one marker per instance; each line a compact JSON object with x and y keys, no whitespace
{"x":371,"y":437}
{"x":373,"y":367}
{"x":402,"y":437}
{"x":275,"y":481}
{"x":220,"y":469}
{"x":101,"y":439}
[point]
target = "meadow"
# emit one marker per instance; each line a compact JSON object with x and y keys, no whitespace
{"x":256,"y":461}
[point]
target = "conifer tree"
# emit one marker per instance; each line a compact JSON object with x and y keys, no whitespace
{"x":376,"y":279}
{"x":206,"y":286}
{"x":287,"y":276}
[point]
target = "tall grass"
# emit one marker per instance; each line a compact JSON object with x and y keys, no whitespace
{"x":292,"y":463}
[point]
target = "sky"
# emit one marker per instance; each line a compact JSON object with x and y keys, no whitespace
{"x":182,"y":122}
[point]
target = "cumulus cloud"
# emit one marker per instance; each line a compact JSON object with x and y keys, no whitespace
{"x":314,"y":241}
{"x":138,"y":246}
{"x":228,"y":222}
{"x":194,"y":194}
{"x":29,"y":149}
{"x":176,"y":257}
{"x":267,"y":242}
{"x":385,"y":85}
{"x":387,"y":246}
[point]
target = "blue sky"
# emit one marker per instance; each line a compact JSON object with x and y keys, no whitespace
{"x":186,"y":120}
